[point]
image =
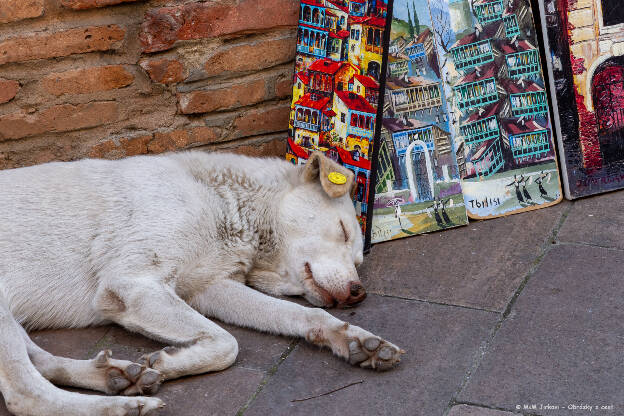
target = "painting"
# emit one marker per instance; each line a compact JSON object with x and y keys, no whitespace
{"x":337,"y":80}
{"x":417,"y":186}
{"x":498,"y":105}
{"x":585,"y":50}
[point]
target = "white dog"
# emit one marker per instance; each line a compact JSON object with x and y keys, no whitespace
{"x":156,"y":244}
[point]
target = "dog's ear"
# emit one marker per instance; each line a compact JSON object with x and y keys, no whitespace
{"x":336,"y":180}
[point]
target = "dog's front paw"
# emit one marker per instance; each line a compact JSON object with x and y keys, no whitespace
{"x":373,"y":352}
{"x":128,"y":378}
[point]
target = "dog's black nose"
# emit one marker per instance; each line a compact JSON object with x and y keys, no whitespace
{"x":356,"y":289}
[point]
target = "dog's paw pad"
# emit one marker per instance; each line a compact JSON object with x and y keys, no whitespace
{"x":374,"y":353}
{"x":149,"y":360}
{"x":127,"y":378}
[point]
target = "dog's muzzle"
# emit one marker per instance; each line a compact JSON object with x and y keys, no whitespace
{"x":357,"y":294}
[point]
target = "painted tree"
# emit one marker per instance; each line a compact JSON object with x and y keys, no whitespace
{"x":416,"y":21}
{"x":410,"y":26}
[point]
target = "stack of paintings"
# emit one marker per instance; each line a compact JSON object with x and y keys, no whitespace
{"x":338,"y":64}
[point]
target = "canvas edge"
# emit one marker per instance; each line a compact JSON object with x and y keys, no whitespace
{"x":565,"y":179}
{"x":378,"y":125}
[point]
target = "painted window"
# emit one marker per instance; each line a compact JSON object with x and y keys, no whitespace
{"x":612,"y":12}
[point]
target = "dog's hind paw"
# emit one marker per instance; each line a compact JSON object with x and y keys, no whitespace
{"x":128,"y":378}
{"x":374,"y":353}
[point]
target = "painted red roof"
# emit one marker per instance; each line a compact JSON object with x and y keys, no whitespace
{"x":516,"y":88}
{"x":367,"y":81}
{"x":513,"y":127}
{"x":490,"y":110}
{"x":297,"y":150}
{"x":307,"y":101}
{"x":313,"y":3}
{"x":338,"y":6}
{"x":522,"y":46}
{"x":368,"y":20}
{"x":341,"y":34}
{"x":326,"y":66}
{"x":347,"y":159}
{"x":303,"y":77}
{"x":329,"y":113}
{"x":486,"y":71}
{"x":323,"y":29}
{"x":355,"y":102}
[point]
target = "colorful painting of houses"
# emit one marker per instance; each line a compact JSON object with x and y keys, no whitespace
{"x":418,"y":186}
{"x":500,"y":117}
{"x":585,"y":50}
{"x":336,"y":86}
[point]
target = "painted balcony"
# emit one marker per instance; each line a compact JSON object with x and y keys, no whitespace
{"x":529,"y":104}
{"x":307,"y":119}
{"x":402,"y":140}
{"x":399,"y":68}
{"x":472,"y":55}
{"x":530,"y":144}
{"x":476,"y":94}
{"x":491,"y":161}
{"x":312,"y":41}
{"x":480,"y":130}
{"x":417,"y":98}
{"x":489,"y":12}
{"x":357,"y":8}
{"x":523,"y":64}
{"x":511,"y":26}
{"x":361,"y":124}
{"x":312,"y":15}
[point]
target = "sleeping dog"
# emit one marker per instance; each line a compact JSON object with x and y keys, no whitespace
{"x":157,"y":244}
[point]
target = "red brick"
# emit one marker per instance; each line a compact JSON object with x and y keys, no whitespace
{"x":59,"y":118}
{"x":135,"y":145}
{"x":230,"y":97}
{"x":284,"y":87}
{"x":181,"y":139}
{"x":14,"y":10}
{"x":82,"y":81}
{"x":275,"y":147}
{"x":8,"y":89}
{"x":64,"y":43}
{"x":164,"y":26}
{"x":251,"y":57}
{"x":164,"y":71}
{"x":263,"y":120}
{"x":91,"y":4}
{"x":105,"y":150}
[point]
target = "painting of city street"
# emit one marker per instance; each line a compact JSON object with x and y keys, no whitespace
{"x":585,"y":46}
{"x":418,"y":187}
{"x":497,"y":105}
{"x":336,"y":86}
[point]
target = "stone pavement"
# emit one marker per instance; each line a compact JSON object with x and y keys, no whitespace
{"x":502,"y":317}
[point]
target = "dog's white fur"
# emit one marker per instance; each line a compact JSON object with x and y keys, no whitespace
{"x":156,"y":244}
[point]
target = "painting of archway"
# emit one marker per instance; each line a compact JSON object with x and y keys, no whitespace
{"x":608,"y":99}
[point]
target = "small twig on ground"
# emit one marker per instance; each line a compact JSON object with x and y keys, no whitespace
{"x":329,"y":392}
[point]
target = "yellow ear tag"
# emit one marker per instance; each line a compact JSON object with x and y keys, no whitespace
{"x":337,"y":178}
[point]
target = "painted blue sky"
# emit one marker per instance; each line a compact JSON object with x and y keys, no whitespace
{"x":422,"y":9}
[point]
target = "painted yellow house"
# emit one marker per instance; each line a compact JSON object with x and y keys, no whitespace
{"x":366,"y":44}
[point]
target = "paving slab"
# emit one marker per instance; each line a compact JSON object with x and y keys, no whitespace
{"x":466,"y":410}
{"x":598,"y":220}
{"x":441,"y":343}
{"x":562,"y":344}
{"x":480,"y":265}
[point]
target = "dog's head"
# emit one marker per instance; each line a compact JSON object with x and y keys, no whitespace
{"x":323,"y":242}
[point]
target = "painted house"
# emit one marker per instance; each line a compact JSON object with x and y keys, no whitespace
{"x":409,"y":95}
{"x":365,"y":86}
{"x":366,"y":43}
{"x":522,"y":60}
{"x":527,"y":99}
{"x":355,"y":122}
{"x":529,"y":141}
{"x":477,"y":89}
{"x":326,"y":76}
{"x":313,"y":119}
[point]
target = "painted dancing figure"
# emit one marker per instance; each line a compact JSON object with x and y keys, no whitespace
{"x":436,"y":212}
{"x":539,"y":181}
{"x":525,"y":192}
{"x":516,"y":183}
{"x":445,"y":216}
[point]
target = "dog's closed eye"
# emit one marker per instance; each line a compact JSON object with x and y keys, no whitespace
{"x":344,"y":231}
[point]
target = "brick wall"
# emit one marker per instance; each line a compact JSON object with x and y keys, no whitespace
{"x":114,"y":78}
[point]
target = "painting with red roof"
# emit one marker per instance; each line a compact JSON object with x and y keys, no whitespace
{"x":587,"y":86}
{"x":498,"y":107}
{"x":418,"y":186}
{"x":336,"y":87}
